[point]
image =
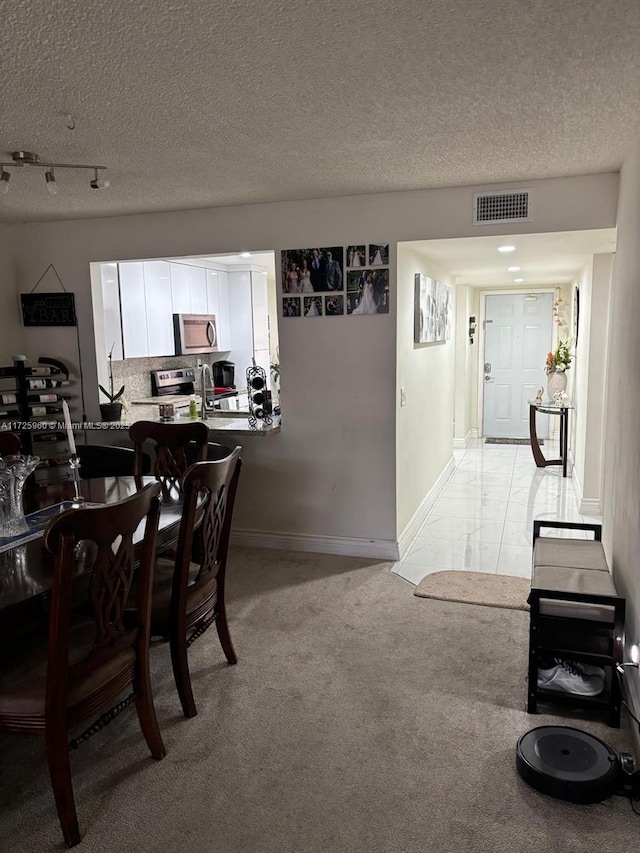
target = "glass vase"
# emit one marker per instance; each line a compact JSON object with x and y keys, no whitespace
{"x":14,"y":471}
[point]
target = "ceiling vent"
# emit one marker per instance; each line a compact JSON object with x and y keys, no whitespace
{"x":490,"y":208}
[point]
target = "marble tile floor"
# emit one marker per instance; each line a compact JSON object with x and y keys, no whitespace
{"x":482,"y":521}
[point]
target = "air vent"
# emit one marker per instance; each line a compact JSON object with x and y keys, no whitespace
{"x":489,"y":208}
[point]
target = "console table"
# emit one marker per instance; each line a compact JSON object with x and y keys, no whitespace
{"x":562,"y":412}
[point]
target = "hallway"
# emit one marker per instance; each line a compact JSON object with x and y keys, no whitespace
{"x":482,"y":520}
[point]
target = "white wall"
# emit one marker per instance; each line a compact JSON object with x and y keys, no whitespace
{"x":621,"y":493}
{"x":590,"y":381}
{"x":465,"y":416}
{"x":330,"y":475}
{"x":11,"y":337}
{"x":424,"y":441}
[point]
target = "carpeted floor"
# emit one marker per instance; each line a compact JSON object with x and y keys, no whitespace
{"x":490,"y":590}
{"x":359,"y":718}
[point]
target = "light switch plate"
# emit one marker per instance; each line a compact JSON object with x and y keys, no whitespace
{"x":403,"y":396}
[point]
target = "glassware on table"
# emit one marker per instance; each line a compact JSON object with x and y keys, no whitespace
{"x":14,"y":470}
{"x":74,"y":464}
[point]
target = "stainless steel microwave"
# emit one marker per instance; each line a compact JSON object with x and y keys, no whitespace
{"x":195,"y":333}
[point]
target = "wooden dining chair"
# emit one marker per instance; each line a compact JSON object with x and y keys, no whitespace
{"x":9,"y":443}
{"x":188,"y":593}
{"x":89,"y":662}
{"x":105,"y":460}
{"x":171,"y":439}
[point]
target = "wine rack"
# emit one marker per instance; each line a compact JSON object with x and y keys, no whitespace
{"x":30,"y":396}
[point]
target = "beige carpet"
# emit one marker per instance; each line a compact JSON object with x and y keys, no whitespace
{"x":359,"y":719}
{"x":476,"y":588}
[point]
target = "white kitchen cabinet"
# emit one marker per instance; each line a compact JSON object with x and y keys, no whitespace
{"x":158,"y":301}
{"x":134,"y":310}
{"x":198,"y":290}
{"x":218,"y":304}
{"x":180,"y":289}
{"x":260,"y":310}
{"x":111,"y":310}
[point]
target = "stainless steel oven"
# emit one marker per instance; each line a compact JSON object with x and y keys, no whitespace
{"x":195,"y":333}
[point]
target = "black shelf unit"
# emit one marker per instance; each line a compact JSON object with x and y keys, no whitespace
{"x":23,"y":403}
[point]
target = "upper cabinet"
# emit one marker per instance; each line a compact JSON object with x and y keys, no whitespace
{"x":141,"y":297}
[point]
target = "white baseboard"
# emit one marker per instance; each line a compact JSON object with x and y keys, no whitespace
{"x":380,"y":549}
{"x":408,"y":534}
{"x":586,"y":506}
{"x":463,"y":443}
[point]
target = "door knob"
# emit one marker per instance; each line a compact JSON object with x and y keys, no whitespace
{"x":488,"y":378}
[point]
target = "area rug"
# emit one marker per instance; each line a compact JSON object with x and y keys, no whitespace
{"x":503,"y":591}
{"x":511,"y":441}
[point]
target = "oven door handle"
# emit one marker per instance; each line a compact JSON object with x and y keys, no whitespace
{"x":211,"y":333}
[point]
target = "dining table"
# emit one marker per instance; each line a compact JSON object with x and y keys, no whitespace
{"x":26,"y":569}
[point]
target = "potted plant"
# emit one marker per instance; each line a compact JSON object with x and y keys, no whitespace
{"x":558,"y":362}
{"x":111,"y":411}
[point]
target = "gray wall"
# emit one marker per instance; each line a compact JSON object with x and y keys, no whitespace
{"x":621,"y":511}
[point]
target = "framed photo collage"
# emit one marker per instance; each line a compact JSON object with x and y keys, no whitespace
{"x":333,"y":280}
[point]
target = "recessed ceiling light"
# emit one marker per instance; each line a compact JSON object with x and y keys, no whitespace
{"x":514,"y":269}
{"x":245,"y":254}
{"x":518,"y":280}
{"x":506,"y":248}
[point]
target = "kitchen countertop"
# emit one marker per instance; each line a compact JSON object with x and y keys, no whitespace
{"x":218,"y":423}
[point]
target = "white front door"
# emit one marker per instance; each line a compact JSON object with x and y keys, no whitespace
{"x":518,"y":336}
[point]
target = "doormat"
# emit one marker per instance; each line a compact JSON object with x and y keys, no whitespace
{"x":511,"y":441}
{"x":504,"y":591}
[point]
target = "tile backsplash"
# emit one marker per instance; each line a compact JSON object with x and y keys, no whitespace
{"x":135,"y":373}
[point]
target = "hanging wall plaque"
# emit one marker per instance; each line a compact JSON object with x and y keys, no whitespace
{"x":48,"y":309}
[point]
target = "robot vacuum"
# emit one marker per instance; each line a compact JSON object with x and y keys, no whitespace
{"x":572,"y":765}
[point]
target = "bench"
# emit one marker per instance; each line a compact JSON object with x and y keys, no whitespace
{"x":575,"y":612}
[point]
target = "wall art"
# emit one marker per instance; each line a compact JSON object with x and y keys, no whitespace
{"x":433,"y":309}
{"x":291,"y":306}
{"x":314,"y":270}
{"x":368,"y":292}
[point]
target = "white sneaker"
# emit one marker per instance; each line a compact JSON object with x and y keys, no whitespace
{"x":584,"y":668}
{"x":565,"y":678}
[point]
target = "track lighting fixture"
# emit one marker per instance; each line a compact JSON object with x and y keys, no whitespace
{"x":97,"y":183}
{"x":50,"y":178}
{"x":28,"y":158}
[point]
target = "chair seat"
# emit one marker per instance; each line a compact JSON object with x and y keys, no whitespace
{"x":23,"y":673}
{"x":570,"y":553}
{"x":162,"y":587}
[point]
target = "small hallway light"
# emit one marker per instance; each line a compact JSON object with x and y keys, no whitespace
{"x":506,"y":248}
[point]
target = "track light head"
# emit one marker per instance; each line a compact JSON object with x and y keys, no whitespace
{"x":98,"y":183}
{"x":5,"y":177}
{"x":50,"y":178}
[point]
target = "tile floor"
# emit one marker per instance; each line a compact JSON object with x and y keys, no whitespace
{"x":482,"y":520}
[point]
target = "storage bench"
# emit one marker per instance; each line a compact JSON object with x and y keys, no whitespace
{"x":575,"y":613}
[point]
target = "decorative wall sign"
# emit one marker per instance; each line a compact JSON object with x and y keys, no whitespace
{"x":48,"y":309}
{"x":433,"y":307}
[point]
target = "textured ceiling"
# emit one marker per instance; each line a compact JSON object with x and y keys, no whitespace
{"x":214,"y":102}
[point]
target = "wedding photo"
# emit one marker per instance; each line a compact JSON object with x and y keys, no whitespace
{"x":318,"y":269}
{"x":356,"y":256}
{"x":368,"y":292}
{"x":290,"y":307}
{"x":378,"y":254}
{"x":313,"y":306}
{"x":333,"y":306}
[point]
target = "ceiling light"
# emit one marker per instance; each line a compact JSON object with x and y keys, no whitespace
{"x":50,"y":178}
{"x":245,"y":254}
{"x":518,"y":280}
{"x":514,"y":269}
{"x":506,"y":248}
{"x":28,"y":158}
{"x":98,"y":183}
